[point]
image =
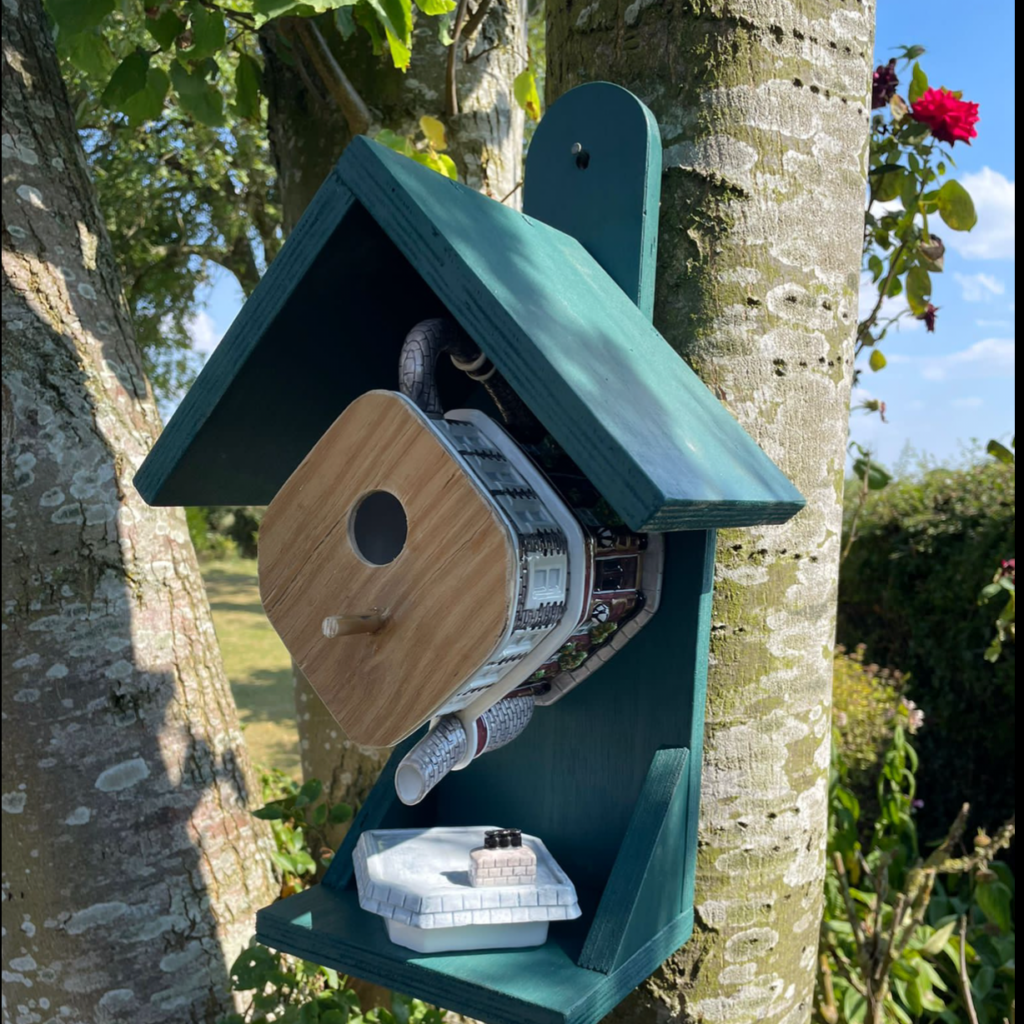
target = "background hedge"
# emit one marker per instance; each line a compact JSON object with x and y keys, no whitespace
{"x":908,"y":590}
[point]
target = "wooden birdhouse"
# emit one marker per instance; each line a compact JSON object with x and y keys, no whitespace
{"x":493,"y":492}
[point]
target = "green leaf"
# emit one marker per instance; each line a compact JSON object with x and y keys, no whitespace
{"x":1000,"y":451}
{"x":938,"y":940}
{"x":319,"y":814}
{"x":995,"y":900}
{"x":247,"y":86}
{"x":399,"y":143}
{"x":146,"y":104}
{"x":165,"y":28}
{"x":366,"y":19}
{"x":435,"y":7}
{"x":439,"y":162}
{"x":395,"y":16}
{"x":90,"y":53}
{"x":919,"y":289}
{"x":525,"y":90}
{"x":956,"y":207}
{"x":339,"y":814}
{"x":74,"y":16}
{"x":208,"y":34}
{"x":877,"y":477}
{"x":128,"y":79}
{"x":895,"y":287}
{"x":876,"y":266}
{"x":345,"y":22}
{"x":877,"y":361}
{"x":265,"y":10}
{"x":269,"y":813}
{"x":197,"y":96}
{"x":855,"y":1007}
{"x":886,"y":181}
{"x":918,"y":84}
{"x":309,"y":793}
{"x":982,"y":983}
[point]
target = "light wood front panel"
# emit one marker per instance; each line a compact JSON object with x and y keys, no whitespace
{"x":447,"y":596}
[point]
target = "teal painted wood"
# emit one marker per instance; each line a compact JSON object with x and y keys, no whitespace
{"x":641,"y":425}
{"x":293,"y":359}
{"x":573,"y":778}
{"x":642,"y":896}
{"x":526,"y":986}
{"x":327,"y":322}
{"x":617,"y":171}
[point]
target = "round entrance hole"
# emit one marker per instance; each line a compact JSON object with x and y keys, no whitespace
{"x":377,"y":528}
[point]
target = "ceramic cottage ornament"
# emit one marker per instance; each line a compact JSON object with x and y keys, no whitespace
{"x":439,"y":891}
{"x":446,"y":577}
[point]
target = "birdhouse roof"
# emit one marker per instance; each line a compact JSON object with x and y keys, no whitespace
{"x":387,"y":243}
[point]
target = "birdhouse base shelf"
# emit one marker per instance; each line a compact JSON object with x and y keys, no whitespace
{"x":584,"y":969}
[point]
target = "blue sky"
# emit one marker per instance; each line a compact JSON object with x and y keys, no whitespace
{"x":944,"y":389}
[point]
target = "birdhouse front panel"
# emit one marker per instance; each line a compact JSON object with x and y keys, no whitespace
{"x":444,"y":579}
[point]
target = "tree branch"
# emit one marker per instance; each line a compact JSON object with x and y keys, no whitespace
{"x":476,"y":19}
{"x":451,"y":92}
{"x":342,"y":91}
{"x":965,"y":981}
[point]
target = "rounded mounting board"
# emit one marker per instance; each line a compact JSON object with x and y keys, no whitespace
{"x":594,"y":171}
{"x":327,"y":548}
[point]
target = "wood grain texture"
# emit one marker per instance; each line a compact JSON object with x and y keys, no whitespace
{"x":643,"y":427}
{"x":617,"y":171}
{"x":445,"y":597}
{"x":524,"y":986}
{"x":640,"y":899}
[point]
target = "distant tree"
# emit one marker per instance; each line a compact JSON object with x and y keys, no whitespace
{"x":132,"y":866}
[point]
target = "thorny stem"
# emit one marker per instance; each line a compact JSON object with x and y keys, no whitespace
{"x":862,"y":498}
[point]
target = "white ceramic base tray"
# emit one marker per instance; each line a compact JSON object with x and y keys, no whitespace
{"x":472,"y":936}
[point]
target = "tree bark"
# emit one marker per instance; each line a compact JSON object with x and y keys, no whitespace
{"x":132,"y":867}
{"x":308,"y":134}
{"x":763,"y":107}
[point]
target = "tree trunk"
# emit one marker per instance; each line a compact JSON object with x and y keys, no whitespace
{"x":308,"y":134}
{"x":764,"y":113}
{"x":132,"y":867}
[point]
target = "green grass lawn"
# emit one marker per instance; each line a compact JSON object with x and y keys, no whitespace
{"x":256,"y":662}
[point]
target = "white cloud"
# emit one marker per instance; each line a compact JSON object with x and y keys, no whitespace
{"x":970,"y":402}
{"x":979,"y":287}
{"x":204,"y":332}
{"x":994,"y":236}
{"x":993,"y":357}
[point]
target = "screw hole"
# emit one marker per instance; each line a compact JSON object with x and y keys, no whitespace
{"x":582,"y":156}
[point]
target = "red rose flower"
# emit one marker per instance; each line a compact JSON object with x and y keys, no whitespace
{"x":950,"y":119}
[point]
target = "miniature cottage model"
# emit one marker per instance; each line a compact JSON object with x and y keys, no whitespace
{"x":393,"y":566}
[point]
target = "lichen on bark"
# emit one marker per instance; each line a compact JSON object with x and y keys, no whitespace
{"x":132,"y":867}
{"x":763,"y":108}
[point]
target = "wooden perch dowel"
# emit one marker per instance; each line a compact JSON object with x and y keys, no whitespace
{"x":348,"y":625}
